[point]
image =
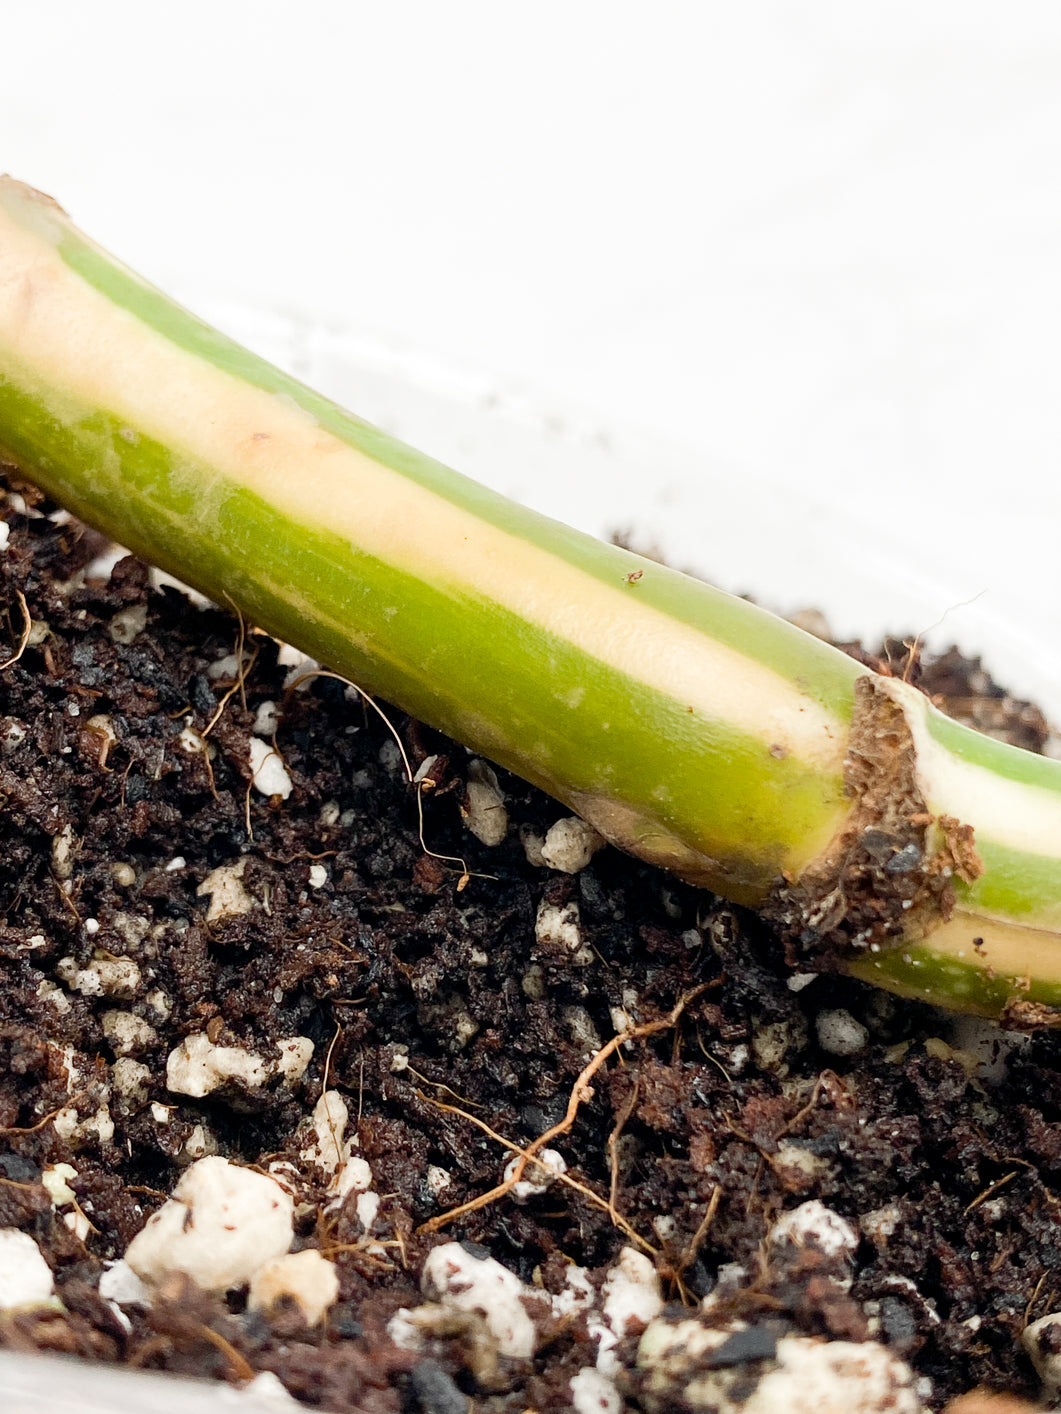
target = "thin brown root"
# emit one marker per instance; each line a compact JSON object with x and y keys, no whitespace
{"x":815,"y":1094}
{"x":712,"y":1059}
{"x":241,"y":642}
{"x":525,"y":1156}
{"x":691,"y":1252}
{"x":66,"y":900}
{"x":990,"y":1191}
{"x":27,"y":629}
{"x":580,"y":1092}
{"x":366,"y":1258}
{"x":324,"y":1085}
{"x":210,"y":772}
{"x":400,"y":1240}
{"x":438,"y":1085}
{"x":239,"y":1367}
{"x":466,"y":874}
{"x":33,"y":1128}
{"x":243,"y":672}
{"x":147,"y":1350}
{"x":1032,"y":1300}
{"x":613,"y":1151}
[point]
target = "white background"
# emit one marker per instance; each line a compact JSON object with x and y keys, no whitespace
{"x":777,"y":284}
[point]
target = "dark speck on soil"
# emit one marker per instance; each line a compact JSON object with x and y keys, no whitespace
{"x":432,"y":1007}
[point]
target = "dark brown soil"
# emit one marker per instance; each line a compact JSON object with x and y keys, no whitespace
{"x":425,"y":1000}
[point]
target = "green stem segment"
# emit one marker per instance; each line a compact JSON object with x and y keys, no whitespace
{"x":691,"y":728}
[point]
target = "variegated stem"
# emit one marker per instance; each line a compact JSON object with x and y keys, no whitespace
{"x":691,"y":728}
{"x":999,"y":952}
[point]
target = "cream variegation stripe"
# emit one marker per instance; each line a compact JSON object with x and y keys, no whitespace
{"x":1007,"y":948}
{"x":1006,"y":964}
{"x":72,"y":337}
{"x":1022,"y":816}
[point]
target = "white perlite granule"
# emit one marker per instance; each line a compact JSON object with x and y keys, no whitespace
{"x":128,"y":624}
{"x":305,"y":1278}
{"x":75,"y":1130}
{"x":812,"y":1224}
{"x":1037,"y":1339}
{"x":840,"y":1034}
{"x":228,"y":896}
{"x":484,"y":812}
{"x":132,"y":1082}
{"x":25,"y":1277}
{"x":537,"y":1177}
{"x":199,"y":1143}
{"x":570,"y":844}
{"x":221,"y":1224}
{"x":120,"y":1284}
{"x":54,"y":1182}
{"x":594,"y":1393}
{"x":266,"y":720}
{"x":331,"y":1152}
{"x":453,"y":1277}
{"x":102,"y":977}
{"x":268,"y":772}
{"x":197,"y":1067}
{"x":631,"y":1292}
{"x":803,"y":1376}
{"x":127,"y":1032}
{"x":330,"y":1118}
{"x":266,"y":1391}
{"x":631,"y":1298}
{"x":558,"y":926}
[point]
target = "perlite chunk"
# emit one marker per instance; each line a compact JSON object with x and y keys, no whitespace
{"x":687,"y":1365}
{"x":219,"y":1227}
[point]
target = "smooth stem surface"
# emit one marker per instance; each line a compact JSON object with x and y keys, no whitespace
{"x":690,"y":727}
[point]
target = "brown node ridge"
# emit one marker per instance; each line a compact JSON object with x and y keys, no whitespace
{"x":889,"y":873}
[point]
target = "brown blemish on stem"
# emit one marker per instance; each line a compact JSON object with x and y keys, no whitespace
{"x":888,"y":875}
{"x":1019,"y":1014}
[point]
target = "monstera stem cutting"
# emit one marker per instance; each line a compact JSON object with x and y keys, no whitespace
{"x":691,"y":728}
